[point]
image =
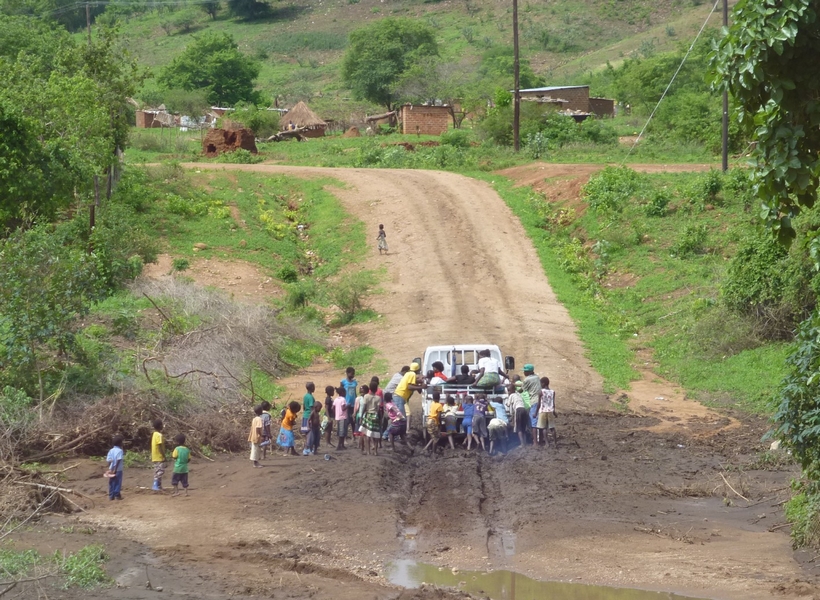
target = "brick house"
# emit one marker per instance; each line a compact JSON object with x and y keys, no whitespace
{"x":576,"y":97}
{"x":425,"y":120}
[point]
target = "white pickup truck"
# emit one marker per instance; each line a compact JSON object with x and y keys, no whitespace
{"x":453,"y":357}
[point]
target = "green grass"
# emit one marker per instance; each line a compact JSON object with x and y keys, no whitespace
{"x":563,"y":39}
{"x":84,"y":568}
{"x":358,"y":357}
{"x":606,"y":347}
{"x":628,"y":289}
{"x":300,"y":353}
{"x":269,"y":210}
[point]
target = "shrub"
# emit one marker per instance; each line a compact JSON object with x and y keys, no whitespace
{"x":612,"y":188}
{"x":262,"y":122}
{"x":692,"y":240}
{"x":537,"y":145}
{"x":455,"y":137}
{"x":656,"y":207}
{"x":239,"y":156}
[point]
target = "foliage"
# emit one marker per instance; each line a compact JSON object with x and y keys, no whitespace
{"x":263,"y":123}
{"x":186,"y":102}
{"x":692,"y":240}
{"x":45,"y":287}
{"x":84,"y":568}
{"x":70,"y":99}
{"x":798,"y":415}
{"x":457,"y":138}
{"x":239,"y":156}
{"x":762,"y":62}
{"x":358,"y":357}
{"x":214,"y":64}
{"x":497,"y":67}
{"x":803,"y":512}
{"x":249,"y":9}
{"x":348,"y":295}
{"x":380,"y":53}
{"x":611,"y":189}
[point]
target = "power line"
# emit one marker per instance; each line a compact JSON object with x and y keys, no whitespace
{"x":671,"y":81}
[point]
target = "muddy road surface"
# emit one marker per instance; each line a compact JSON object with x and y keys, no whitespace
{"x":671,"y":496}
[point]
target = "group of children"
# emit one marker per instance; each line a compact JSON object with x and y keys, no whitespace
{"x":532,"y":416}
{"x":181,"y":455}
{"x":370,"y":415}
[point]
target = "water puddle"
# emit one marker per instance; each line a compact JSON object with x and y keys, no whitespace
{"x":507,"y":585}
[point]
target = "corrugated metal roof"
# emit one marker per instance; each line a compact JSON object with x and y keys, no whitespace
{"x":554,"y":88}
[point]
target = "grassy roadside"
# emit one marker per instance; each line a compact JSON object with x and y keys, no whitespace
{"x":645,"y":287}
{"x":608,"y":349}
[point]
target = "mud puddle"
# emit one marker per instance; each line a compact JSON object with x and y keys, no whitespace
{"x":508,"y":585}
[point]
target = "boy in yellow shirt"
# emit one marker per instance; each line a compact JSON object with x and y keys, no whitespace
{"x":433,"y":422}
{"x":158,"y":454}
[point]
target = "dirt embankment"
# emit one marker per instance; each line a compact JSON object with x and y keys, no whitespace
{"x":627,"y":500}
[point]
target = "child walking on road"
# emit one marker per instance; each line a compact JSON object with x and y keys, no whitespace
{"x":382,"y":239}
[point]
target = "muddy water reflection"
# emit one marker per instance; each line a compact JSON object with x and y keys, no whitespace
{"x":507,"y":585}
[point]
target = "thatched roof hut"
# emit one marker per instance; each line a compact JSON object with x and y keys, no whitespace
{"x":302,"y":117}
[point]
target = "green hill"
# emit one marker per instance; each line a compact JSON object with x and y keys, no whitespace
{"x":300,"y":44}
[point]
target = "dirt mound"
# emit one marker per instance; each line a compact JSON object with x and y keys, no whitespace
{"x":353,"y":132}
{"x":218,"y":141}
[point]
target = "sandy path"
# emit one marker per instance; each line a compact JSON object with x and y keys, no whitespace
{"x":461,"y":269}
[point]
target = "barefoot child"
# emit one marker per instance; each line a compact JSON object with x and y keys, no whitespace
{"x":328,"y":426}
{"x":287,"y":440}
{"x":255,"y":436}
{"x":371,"y":428}
{"x":358,"y":412}
{"x":307,"y":406}
{"x":267,"y":436}
{"x":467,"y":422}
{"x":157,"y":455}
{"x":433,"y":425}
{"x":546,"y":412}
{"x":115,"y":466}
{"x":398,"y":424}
{"x":181,"y":455}
{"x":314,"y":425}
{"x":382,"y":239}
{"x":340,"y":412}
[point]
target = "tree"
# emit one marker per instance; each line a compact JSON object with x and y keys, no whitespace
{"x":210,"y":7}
{"x":764,"y":61}
{"x":248,"y":9}
{"x":379,"y":54}
{"x":497,"y":69}
{"x":431,"y":79}
{"x":45,"y":287}
{"x":214,"y":63}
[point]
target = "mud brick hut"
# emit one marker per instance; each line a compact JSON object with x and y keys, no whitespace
{"x":304,"y":118}
{"x":218,"y":141}
{"x":425,"y":120}
{"x":576,"y":98}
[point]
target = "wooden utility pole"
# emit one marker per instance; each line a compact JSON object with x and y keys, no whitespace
{"x":516,"y":91}
{"x":88,"y":21}
{"x":725,"y":162}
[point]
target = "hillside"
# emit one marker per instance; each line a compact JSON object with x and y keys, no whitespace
{"x":300,"y":46}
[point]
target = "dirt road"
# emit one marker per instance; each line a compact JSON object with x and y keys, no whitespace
{"x":621,"y":502}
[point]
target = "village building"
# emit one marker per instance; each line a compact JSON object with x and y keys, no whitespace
{"x":424,"y":120}
{"x":302,"y":118}
{"x":574,"y":99}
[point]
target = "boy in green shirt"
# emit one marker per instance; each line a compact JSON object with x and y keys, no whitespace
{"x":181,"y":456}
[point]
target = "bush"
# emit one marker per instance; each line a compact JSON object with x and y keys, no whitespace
{"x":692,"y":240}
{"x":239,"y":156}
{"x":458,"y":138}
{"x":264,"y":123}
{"x":657,"y":206}
{"x":612,"y":188}
{"x":348,"y":295}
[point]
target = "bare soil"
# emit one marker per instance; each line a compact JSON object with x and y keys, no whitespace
{"x":655,"y":493}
